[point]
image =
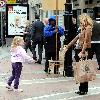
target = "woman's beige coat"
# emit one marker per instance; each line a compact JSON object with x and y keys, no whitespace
{"x":85,"y":38}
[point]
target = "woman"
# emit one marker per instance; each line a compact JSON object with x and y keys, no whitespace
{"x":86,"y":25}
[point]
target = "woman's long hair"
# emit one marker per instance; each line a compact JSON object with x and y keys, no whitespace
{"x":86,"y":19}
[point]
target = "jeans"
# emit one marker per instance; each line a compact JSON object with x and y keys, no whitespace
{"x":16,"y":72}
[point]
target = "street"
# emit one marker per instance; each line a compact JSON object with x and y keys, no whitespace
{"x":37,"y":85}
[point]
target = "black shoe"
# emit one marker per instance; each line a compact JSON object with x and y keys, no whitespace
{"x":57,"y":72}
{"x":44,"y":58}
{"x":47,"y":71}
{"x":81,"y":93}
{"x":70,"y":75}
{"x":78,"y":92}
{"x":35,"y":58}
{"x":39,"y":62}
{"x":98,"y":68}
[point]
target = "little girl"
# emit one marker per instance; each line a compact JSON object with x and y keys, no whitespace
{"x":18,"y":55}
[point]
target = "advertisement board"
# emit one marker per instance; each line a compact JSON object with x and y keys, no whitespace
{"x":17,"y":15}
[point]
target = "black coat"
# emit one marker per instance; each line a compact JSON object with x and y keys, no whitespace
{"x":37,"y":31}
{"x":96,"y":31}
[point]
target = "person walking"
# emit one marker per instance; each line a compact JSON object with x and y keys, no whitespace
{"x":37,"y":38}
{"x":18,"y":56}
{"x":50,"y":32}
{"x":27,"y":36}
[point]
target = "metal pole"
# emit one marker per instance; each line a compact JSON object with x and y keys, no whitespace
{"x":1,"y":30}
{"x":56,"y":67}
{"x":56,"y":25}
{"x":68,"y":37}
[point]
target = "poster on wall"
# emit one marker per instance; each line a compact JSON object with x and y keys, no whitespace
{"x":17,"y":15}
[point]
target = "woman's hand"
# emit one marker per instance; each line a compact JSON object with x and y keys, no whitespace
{"x":82,"y":54}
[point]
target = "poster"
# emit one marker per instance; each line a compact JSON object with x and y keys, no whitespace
{"x":16,"y":17}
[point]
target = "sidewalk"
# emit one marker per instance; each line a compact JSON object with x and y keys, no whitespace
{"x":40,"y":86}
{"x":4,"y":52}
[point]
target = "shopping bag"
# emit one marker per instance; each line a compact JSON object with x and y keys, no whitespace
{"x":84,"y":71}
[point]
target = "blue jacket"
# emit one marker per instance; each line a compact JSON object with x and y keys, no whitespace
{"x":50,"y":36}
{"x":49,"y":30}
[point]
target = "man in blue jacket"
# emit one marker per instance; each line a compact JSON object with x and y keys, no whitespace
{"x":50,"y":32}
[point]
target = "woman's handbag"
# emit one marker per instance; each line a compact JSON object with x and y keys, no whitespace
{"x":84,"y":71}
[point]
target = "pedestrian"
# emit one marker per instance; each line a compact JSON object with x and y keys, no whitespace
{"x":86,"y":25}
{"x":74,"y":28}
{"x":18,"y":55}
{"x":45,"y":21}
{"x":95,"y":43}
{"x":37,"y":38}
{"x":27,"y":36}
{"x":50,"y":32}
{"x":77,"y":47}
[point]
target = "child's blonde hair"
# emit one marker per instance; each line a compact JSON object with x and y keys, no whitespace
{"x":16,"y":41}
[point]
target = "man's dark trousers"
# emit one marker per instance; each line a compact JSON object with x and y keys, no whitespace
{"x":49,"y":56}
{"x":40,"y":49}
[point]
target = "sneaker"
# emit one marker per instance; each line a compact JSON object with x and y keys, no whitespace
{"x":9,"y":88}
{"x":18,"y":90}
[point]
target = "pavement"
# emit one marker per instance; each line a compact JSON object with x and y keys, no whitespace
{"x":37,"y":85}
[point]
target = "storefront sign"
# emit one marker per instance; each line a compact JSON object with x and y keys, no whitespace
{"x":51,"y":4}
{"x":11,"y":1}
